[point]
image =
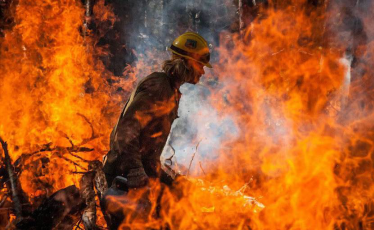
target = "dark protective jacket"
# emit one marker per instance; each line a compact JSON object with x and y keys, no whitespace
{"x":140,"y":135}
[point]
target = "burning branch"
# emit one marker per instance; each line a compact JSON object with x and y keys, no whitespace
{"x":13,"y":180}
{"x":2,"y":202}
{"x":85,"y":140}
{"x":72,"y":162}
{"x":93,"y":135}
{"x":59,"y":149}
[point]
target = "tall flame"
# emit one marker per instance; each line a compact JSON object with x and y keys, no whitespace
{"x":54,"y":91}
{"x":286,"y":89}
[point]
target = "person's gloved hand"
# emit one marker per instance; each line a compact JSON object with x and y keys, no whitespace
{"x":137,"y":178}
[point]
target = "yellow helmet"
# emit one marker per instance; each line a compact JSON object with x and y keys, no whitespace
{"x":193,"y":46}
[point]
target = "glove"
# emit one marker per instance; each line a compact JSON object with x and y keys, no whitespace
{"x":137,"y":178}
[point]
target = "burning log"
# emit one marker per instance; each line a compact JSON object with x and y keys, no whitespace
{"x":13,"y":180}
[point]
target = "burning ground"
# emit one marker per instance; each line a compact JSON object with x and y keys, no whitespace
{"x":289,"y":103}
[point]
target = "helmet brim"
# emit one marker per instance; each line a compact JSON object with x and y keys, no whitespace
{"x":185,"y":56}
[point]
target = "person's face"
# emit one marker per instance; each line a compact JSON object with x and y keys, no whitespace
{"x":197,"y":73}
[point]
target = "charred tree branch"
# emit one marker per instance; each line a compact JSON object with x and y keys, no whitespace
{"x":13,"y":181}
{"x":77,"y":225}
{"x":47,"y":148}
{"x":93,"y":135}
{"x":80,"y":158}
{"x":76,"y":172}
{"x":72,"y":162}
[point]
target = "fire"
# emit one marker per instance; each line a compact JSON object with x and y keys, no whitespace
{"x":54,"y":93}
{"x":285,"y":83}
{"x":304,"y":155}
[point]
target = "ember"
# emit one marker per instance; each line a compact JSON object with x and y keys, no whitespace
{"x":292,"y":81}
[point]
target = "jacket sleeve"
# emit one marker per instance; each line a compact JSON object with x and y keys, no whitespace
{"x":145,"y":107}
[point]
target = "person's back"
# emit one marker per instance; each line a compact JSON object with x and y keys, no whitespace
{"x":138,"y":139}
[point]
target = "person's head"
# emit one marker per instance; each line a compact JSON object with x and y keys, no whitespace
{"x":184,"y":69}
{"x":190,"y":55}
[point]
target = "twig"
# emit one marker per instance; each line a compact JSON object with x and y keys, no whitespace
{"x":77,"y":225}
{"x":280,"y":51}
{"x":47,"y":148}
{"x":80,"y":158}
{"x":171,"y":157}
{"x":201,"y":167}
{"x":2,"y":202}
{"x":13,"y":182}
{"x":193,"y":156}
{"x":75,"y":149}
{"x":93,"y":135}
{"x":75,"y":175}
{"x":68,"y":138}
{"x":72,"y":162}
{"x":88,"y":121}
{"x":76,"y":172}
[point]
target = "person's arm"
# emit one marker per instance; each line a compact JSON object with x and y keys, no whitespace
{"x":140,"y":112}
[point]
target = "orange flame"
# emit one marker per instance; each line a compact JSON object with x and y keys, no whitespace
{"x":300,"y":161}
{"x":53,"y":90}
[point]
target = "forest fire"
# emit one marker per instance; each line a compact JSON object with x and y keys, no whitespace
{"x":296,"y":82}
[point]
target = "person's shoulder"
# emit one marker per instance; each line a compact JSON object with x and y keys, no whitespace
{"x":155,"y":81}
{"x":156,"y":77}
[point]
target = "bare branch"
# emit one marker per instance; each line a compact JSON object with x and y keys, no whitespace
{"x":93,"y":135}
{"x":13,"y":181}
{"x":171,"y":157}
{"x":77,"y":226}
{"x":80,"y":158}
{"x":77,"y":172}
{"x":193,"y":156}
{"x":201,"y":167}
{"x":68,"y":138}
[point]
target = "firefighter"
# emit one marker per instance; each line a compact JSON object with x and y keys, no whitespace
{"x":140,"y":134}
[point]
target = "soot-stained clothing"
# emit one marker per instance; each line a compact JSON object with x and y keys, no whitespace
{"x":140,"y":135}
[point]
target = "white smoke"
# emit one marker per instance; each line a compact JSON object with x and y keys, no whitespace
{"x":199,"y":126}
